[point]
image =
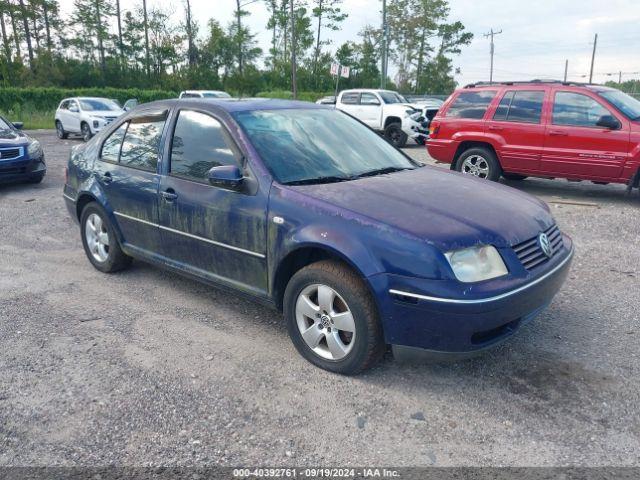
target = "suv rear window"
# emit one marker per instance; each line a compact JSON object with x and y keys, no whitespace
{"x":471,"y":104}
{"x":520,"y":106}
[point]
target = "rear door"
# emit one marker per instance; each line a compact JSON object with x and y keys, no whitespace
{"x":218,"y":232}
{"x":517,"y":126}
{"x":72,"y":116}
{"x":127,"y":173}
{"x":576,"y":146}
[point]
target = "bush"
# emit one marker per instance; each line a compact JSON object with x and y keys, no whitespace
{"x":39,"y":99}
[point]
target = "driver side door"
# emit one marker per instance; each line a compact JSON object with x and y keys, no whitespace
{"x":212,"y":232}
{"x":576,"y":146}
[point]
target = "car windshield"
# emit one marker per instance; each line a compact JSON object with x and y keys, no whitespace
{"x":628,"y":105}
{"x":318,"y":146}
{"x":216,"y":95}
{"x":97,"y":104}
{"x":392,"y":97}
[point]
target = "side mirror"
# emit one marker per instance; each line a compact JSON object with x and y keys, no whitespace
{"x":130,"y":104}
{"x":609,"y":121}
{"x":226,"y":176}
{"x":18,"y":125}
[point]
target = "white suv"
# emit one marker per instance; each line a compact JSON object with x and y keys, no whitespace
{"x":85,"y":116}
{"x":385,"y":111}
{"x":204,"y":94}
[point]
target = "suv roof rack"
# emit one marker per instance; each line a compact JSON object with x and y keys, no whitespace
{"x":528,"y":82}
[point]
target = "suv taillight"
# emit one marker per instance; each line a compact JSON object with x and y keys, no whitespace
{"x":434,"y":129}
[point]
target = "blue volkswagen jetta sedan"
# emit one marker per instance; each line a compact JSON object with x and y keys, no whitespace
{"x":21,"y":157}
{"x":308,"y":210}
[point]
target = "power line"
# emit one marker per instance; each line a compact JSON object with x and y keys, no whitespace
{"x":487,"y":35}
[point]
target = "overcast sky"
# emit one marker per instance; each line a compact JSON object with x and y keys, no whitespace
{"x":537,"y":35}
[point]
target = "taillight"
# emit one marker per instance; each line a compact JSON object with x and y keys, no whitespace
{"x":434,"y":129}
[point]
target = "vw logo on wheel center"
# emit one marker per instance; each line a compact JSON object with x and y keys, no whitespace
{"x":545,"y":245}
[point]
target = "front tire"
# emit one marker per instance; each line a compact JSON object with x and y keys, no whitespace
{"x":332,"y":318}
{"x":62,"y":135}
{"x":100,"y":241}
{"x":86,"y":132}
{"x":395,"y":136}
{"x":480,"y":162}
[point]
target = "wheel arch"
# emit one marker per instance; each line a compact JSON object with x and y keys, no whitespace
{"x":466,"y":145}
{"x":302,"y":256}
{"x":391,"y":119}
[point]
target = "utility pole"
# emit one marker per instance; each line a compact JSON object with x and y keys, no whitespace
{"x":566,"y":69}
{"x":385,"y":40}
{"x":492,"y":50}
{"x":593,"y":58}
{"x":620,"y":77}
{"x":294,"y":82}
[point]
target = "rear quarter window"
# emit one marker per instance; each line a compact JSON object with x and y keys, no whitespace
{"x":471,"y":105}
{"x":351,"y":98}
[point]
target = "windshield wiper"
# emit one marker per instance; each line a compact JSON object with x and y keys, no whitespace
{"x":382,"y":171}
{"x":318,"y":180}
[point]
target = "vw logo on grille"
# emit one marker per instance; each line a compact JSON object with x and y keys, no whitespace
{"x":545,"y":245}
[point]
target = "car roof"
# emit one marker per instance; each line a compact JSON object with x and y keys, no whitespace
{"x":371,"y":90}
{"x":532,"y":83}
{"x":236,"y":104}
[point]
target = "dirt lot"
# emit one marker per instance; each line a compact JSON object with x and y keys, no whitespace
{"x":147,"y":368}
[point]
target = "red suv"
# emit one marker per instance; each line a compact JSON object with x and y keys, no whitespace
{"x":540,"y":128}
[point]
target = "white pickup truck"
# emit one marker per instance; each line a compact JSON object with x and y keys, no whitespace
{"x":385,"y":111}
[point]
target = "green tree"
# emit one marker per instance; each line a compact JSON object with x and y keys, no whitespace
{"x":328,"y":16}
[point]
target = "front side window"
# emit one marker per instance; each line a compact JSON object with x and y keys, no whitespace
{"x":471,"y":105}
{"x":369,"y":99}
{"x":199,"y":144}
{"x":318,"y":146}
{"x":111,"y":146}
{"x":141,"y":144}
{"x":577,"y":110}
{"x":520,"y":106}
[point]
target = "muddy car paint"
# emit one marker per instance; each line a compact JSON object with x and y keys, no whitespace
{"x":392,"y":229}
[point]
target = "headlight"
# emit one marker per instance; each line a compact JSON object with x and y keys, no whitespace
{"x":35,"y":149}
{"x":476,"y":263}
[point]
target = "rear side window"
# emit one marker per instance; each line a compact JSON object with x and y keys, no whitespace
{"x":111,"y":146}
{"x":520,"y":106}
{"x":199,"y":144}
{"x":141,"y":143}
{"x":351,"y":98}
{"x":472,"y":105}
{"x":577,"y":109}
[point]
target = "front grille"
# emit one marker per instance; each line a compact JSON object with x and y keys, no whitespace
{"x":530,"y":253}
{"x":10,"y":153}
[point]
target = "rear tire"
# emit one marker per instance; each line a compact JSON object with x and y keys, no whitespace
{"x":62,"y":135}
{"x":100,"y":242}
{"x":514,"y":176}
{"x":480,"y":162}
{"x":332,"y":318}
{"x":395,"y":136}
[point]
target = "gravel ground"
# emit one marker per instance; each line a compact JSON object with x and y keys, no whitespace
{"x":147,"y":368}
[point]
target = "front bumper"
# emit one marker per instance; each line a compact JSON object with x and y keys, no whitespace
{"x":413,"y":318}
{"x":22,"y":169}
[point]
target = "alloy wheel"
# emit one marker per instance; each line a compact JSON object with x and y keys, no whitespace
{"x":475,"y":165}
{"x":97,"y":237}
{"x":325,"y":322}
{"x":86,"y":132}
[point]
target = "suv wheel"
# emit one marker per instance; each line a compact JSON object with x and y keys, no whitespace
{"x":100,"y":242}
{"x":479,"y":162}
{"x":332,"y":318}
{"x":395,"y":136}
{"x":62,"y":135}
{"x":86,"y":132}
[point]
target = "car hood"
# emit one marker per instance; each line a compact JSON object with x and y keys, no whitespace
{"x":12,"y":137}
{"x":105,"y":113}
{"x":441,"y":207}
